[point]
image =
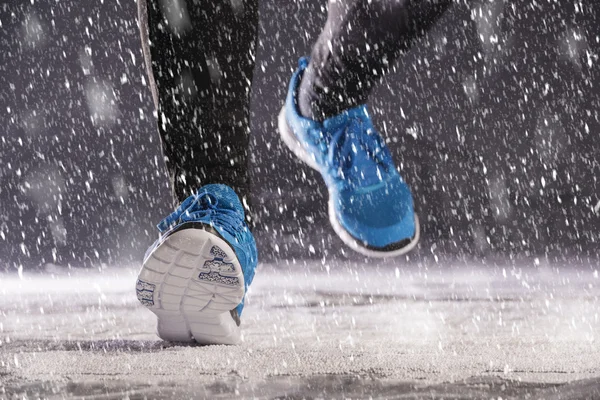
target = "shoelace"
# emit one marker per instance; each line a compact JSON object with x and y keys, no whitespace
{"x":204,"y":207}
{"x":347,"y":141}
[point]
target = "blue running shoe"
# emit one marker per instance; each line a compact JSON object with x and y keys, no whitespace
{"x":195,"y":277}
{"x":370,"y":205}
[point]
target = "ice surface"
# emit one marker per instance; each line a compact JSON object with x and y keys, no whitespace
{"x":384,"y":329}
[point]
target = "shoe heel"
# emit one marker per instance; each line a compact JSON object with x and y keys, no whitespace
{"x":192,"y":281}
{"x":292,"y":142}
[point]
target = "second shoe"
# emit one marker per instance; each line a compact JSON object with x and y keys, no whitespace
{"x":195,"y":277}
{"x":370,"y":206}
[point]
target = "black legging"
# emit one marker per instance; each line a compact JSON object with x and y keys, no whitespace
{"x":200,"y":59}
{"x":359,"y":44}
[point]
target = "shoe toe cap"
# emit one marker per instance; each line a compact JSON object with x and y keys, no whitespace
{"x":378,"y":216}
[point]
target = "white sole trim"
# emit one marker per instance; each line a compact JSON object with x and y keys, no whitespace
{"x":292,"y":142}
{"x":192,"y":281}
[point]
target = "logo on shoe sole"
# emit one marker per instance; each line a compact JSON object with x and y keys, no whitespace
{"x":145,"y":292}
{"x":216,"y":266}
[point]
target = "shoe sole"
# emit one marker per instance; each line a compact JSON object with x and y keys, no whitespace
{"x":193,"y":281}
{"x":292,"y":142}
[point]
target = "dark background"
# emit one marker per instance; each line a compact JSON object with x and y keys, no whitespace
{"x":493,"y":118}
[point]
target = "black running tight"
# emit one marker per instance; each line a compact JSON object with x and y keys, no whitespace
{"x":200,"y":60}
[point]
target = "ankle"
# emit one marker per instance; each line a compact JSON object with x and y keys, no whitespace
{"x":306,"y":97}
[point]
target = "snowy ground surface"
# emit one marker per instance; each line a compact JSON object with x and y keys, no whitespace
{"x":384,"y":330}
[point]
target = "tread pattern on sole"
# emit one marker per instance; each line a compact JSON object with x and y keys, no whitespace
{"x":192,"y":281}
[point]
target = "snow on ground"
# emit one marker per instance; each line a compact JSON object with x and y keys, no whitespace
{"x":315,"y":330}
